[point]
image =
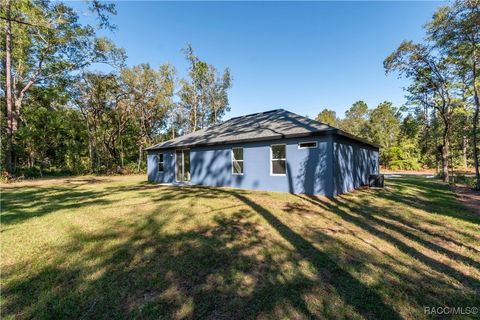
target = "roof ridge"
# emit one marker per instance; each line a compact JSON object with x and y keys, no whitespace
{"x":312,"y":120}
{"x":255,"y":114}
{"x":276,"y":123}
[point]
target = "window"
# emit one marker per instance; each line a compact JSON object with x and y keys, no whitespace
{"x":160,"y":162}
{"x":237,"y":160}
{"x":278,"y":159}
{"x":305,"y":145}
{"x":182,"y":165}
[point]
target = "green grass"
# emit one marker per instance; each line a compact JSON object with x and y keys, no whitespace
{"x":117,"y":247}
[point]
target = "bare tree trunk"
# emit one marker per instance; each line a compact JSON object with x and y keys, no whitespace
{"x":427,"y":140}
{"x":140,"y":157}
{"x":91,"y":155}
{"x":475,"y":125}
{"x":8,"y":91}
{"x":445,"y":152}
{"x":194,"y":119}
{"x":122,"y":154}
{"x":92,"y":152}
{"x":435,"y":136}
{"x":465,"y":153}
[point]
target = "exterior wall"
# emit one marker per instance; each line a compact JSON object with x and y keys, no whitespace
{"x":336,"y":166}
{"x":168,"y":174}
{"x":353,"y":163}
{"x":309,"y":170}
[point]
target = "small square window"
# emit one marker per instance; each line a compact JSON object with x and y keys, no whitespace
{"x":306,"y":145}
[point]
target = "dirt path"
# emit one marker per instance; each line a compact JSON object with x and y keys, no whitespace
{"x":470,"y":198}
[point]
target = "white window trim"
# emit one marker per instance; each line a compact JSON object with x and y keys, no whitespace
{"x":271,"y":160}
{"x":175,"y":164}
{"x":158,"y":162}
{"x":176,"y":167}
{"x":301,"y":148}
{"x":231,"y":159}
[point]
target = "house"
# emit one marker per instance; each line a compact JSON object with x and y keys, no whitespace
{"x":275,"y":150}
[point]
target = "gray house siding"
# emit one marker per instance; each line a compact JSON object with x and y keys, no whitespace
{"x":340,"y":162}
{"x":168,"y":174}
{"x":309,"y":170}
{"x":353,"y":163}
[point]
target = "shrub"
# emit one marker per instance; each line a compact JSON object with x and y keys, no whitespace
{"x":403,"y":157}
{"x":30,"y":173}
{"x":468,"y":181}
{"x":410,"y":164}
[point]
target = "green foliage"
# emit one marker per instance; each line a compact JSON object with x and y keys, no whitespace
{"x":355,"y":119}
{"x":68,"y":118}
{"x":383,"y":125}
{"x":327,"y":116}
{"x":53,"y":43}
{"x":402,"y":157}
{"x":443,"y":73}
{"x":50,"y":134}
{"x":79,"y":121}
{"x":465,"y":180}
{"x":203,"y":97}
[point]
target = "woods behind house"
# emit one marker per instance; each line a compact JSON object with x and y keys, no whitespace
{"x":60,"y":115}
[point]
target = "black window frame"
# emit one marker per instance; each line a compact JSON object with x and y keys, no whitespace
{"x":301,"y":145}
{"x":161,"y":162}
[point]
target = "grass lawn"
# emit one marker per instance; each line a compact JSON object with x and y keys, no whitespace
{"x":118,"y":247}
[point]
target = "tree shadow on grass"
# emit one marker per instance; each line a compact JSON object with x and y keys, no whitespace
{"x":234,"y":269}
{"x":363,"y":299}
{"x":435,"y":197}
{"x":19,"y":205}
{"x":203,"y":273}
{"x":364,"y":216}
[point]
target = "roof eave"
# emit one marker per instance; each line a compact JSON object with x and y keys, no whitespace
{"x":275,"y":137}
{"x":353,"y":137}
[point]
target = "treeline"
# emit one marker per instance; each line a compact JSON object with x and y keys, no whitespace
{"x":438,"y":127}
{"x":61,"y":117}
{"x":399,"y":136}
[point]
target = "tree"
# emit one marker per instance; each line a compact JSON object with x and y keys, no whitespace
{"x":355,"y":119}
{"x":383,"y":125}
{"x":44,"y":43}
{"x":203,"y":97}
{"x":8,"y":87}
{"x":150,"y":95}
{"x":455,"y":30}
{"x":97,"y":96}
{"x":52,"y":135}
{"x":328,"y":117}
{"x":432,"y":80}
{"x":218,"y":96}
{"x":383,"y":128}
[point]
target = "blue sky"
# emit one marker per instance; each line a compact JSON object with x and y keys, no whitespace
{"x":301,"y":56}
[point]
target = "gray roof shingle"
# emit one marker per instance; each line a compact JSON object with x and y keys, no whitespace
{"x":269,"y":125}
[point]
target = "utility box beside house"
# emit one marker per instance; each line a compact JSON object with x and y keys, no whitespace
{"x":376,"y":180}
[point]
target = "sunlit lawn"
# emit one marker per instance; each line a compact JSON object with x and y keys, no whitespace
{"x":118,"y":247}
